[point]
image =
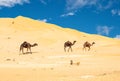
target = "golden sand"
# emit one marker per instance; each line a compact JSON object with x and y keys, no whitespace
{"x":49,"y":62}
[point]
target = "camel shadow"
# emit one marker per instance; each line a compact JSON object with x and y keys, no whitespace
{"x":26,"y":53}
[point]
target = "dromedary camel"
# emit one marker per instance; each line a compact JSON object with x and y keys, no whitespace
{"x":27,"y":45}
{"x":68,"y":44}
{"x":87,"y":44}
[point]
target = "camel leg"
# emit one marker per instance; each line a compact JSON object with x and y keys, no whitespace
{"x":65,"y":49}
{"x":84,"y":48}
{"x":71,"y":49}
{"x":30,"y":50}
{"x":89,"y":49}
{"x":27,"y":49}
{"x":68,"y":49}
{"x":23,"y":50}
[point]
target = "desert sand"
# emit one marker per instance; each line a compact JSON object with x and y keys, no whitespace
{"x":48,"y":61}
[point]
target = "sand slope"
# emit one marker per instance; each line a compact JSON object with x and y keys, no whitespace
{"x":49,"y":62}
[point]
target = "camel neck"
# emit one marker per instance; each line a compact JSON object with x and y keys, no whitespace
{"x":73,"y":43}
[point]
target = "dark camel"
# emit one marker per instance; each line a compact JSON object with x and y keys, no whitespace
{"x":27,"y":45}
{"x":68,"y":44}
{"x":87,"y":44}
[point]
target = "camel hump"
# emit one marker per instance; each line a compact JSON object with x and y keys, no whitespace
{"x":86,"y":42}
{"x":24,"y":43}
{"x":68,"y":41}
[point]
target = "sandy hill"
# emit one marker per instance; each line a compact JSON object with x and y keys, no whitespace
{"x":49,"y":62}
{"x":13,"y":31}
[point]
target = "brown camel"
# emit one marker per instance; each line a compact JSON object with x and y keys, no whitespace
{"x":68,"y":44}
{"x":87,"y":44}
{"x":27,"y":45}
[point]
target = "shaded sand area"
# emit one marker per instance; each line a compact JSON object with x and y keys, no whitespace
{"x":48,"y":61}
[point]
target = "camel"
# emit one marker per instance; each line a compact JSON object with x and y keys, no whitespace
{"x":87,"y":44}
{"x":27,"y":45}
{"x":68,"y":44}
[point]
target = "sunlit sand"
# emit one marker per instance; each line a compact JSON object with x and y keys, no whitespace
{"x":49,"y":61}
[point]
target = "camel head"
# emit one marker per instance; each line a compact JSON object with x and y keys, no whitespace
{"x":74,"y":42}
{"x":93,"y":43}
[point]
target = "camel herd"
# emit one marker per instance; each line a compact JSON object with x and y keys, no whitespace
{"x":70,"y":44}
{"x":66,"y":44}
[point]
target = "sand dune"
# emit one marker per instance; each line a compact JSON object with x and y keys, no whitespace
{"x":49,"y":62}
